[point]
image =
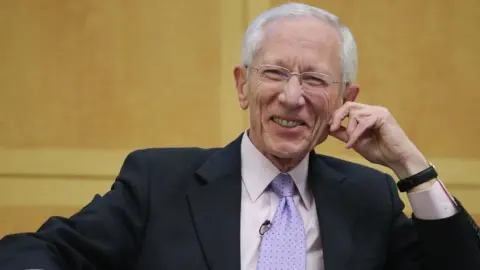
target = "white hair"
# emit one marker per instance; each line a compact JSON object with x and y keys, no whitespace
{"x":348,"y":52}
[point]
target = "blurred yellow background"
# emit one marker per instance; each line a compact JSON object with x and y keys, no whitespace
{"x":84,"y":82}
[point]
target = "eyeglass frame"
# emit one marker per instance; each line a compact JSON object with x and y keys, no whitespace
{"x":290,"y":74}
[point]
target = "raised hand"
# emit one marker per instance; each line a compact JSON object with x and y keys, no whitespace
{"x":375,"y":134}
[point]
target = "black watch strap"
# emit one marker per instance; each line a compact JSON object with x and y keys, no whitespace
{"x":417,"y":179}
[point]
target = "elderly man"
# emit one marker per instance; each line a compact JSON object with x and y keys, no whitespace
{"x":267,"y":201}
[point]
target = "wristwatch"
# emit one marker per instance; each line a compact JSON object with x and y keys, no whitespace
{"x":417,"y":179}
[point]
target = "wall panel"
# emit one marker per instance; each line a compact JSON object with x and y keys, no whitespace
{"x":109,"y":74}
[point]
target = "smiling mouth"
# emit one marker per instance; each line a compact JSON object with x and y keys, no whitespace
{"x":288,"y":123}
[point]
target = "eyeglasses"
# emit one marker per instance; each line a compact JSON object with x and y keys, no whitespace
{"x":276,"y":75}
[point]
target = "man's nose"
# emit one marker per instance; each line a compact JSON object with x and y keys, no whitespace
{"x":292,"y":94}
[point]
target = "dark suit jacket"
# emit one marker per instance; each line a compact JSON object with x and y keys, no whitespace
{"x":180,"y":209}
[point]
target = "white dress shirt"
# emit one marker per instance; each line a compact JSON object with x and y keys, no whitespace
{"x":259,"y":204}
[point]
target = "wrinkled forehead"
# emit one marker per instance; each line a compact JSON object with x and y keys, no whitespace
{"x":300,"y":42}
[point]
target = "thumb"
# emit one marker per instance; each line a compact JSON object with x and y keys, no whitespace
{"x":340,"y":134}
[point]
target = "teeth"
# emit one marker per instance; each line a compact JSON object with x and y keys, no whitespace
{"x":287,"y":123}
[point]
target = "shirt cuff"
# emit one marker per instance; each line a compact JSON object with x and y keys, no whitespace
{"x":433,"y":203}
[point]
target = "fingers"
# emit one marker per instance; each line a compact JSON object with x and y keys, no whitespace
{"x":352,"y":125}
{"x":354,"y":118}
{"x":365,"y":124}
{"x":354,"y":130}
{"x":342,"y":113}
{"x":340,"y":133}
{"x":360,"y":119}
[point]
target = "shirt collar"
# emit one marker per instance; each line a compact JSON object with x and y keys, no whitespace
{"x":258,"y":172}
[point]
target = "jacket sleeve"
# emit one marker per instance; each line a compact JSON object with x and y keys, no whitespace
{"x":105,"y":234}
{"x":446,"y":244}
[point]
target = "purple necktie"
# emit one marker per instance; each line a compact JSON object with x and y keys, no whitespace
{"x":283,"y":245}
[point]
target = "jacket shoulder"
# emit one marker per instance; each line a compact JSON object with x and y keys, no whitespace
{"x":173,"y":155}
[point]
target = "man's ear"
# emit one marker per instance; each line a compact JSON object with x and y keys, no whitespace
{"x":351,"y":92}
{"x":240,"y":74}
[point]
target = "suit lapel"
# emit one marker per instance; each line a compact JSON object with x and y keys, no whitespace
{"x":335,"y":219}
{"x":215,"y":203}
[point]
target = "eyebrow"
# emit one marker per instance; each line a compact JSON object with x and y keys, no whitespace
{"x":280,"y":62}
{"x":307,"y":68}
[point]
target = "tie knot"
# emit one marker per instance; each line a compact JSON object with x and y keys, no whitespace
{"x":283,"y":185}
